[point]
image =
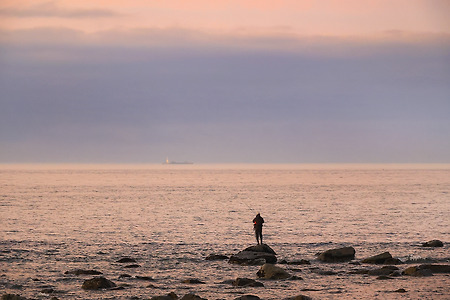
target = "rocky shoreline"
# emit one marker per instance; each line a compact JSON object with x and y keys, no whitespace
{"x":381,"y":266}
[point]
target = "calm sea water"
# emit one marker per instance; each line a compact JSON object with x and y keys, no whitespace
{"x":169,"y":218}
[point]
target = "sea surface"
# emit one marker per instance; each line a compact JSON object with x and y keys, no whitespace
{"x":169,"y":218}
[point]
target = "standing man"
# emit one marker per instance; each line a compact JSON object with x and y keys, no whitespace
{"x":257,"y":226}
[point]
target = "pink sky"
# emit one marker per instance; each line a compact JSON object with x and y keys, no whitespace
{"x":331,"y":17}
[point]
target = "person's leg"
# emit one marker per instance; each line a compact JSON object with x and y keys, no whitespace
{"x":257,"y":236}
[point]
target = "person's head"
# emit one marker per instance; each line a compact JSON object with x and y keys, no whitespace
{"x":258,"y":215}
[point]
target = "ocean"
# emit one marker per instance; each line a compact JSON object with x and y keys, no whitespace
{"x":169,"y":218}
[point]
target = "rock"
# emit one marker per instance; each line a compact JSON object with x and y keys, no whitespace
{"x":436,"y":268}
{"x":124,"y":276}
{"x":126,"y":260}
{"x":97,"y":283}
{"x":400,"y":291}
{"x":170,"y":296}
{"x":384,"y":277}
{"x":386,"y":270}
{"x":255,"y":255}
{"x":323,"y":272}
{"x":433,"y":243}
{"x":132,"y":266}
{"x":83,"y":272}
{"x":146,"y":278}
{"x":299,"y":297}
{"x":359,"y":271}
{"x":47,"y":291}
{"x":338,"y":255}
{"x":192,"y":297}
{"x":246,"y":282}
{"x":193,"y":281}
{"x":378,"y":259}
{"x":299,"y":262}
{"x":13,"y":297}
{"x":270,"y":271}
{"x":216,"y":257}
{"x":417,"y":272}
{"x":248,"y":297}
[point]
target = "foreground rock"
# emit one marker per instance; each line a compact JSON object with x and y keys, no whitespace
{"x":338,"y":255}
{"x":270,"y":271}
{"x":97,"y":284}
{"x":255,"y":255}
{"x":384,"y":258}
{"x":433,"y":243}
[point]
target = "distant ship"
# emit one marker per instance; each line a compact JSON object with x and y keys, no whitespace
{"x":168,"y":162}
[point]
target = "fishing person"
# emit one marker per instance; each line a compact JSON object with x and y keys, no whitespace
{"x":257,"y":226}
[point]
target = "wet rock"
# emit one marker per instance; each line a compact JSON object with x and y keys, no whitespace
{"x":247,"y":282}
{"x":400,"y":291}
{"x":170,"y":296}
{"x":248,"y":297}
{"x":433,"y":243}
{"x":216,"y":257}
{"x":47,"y":291}
{"x":192,"y":297}
{"x":132,"y":266}
{"x":338,"y":255}
{"x":299,"y":297}
{"x":386,"y":270}
{"x":126,"y":260}
{"x":417,"y":272}
{"x":193,"y":281}
{"x":378,"y":259}
{"x":436,"y":268}
{"x":97,"y":284}
{"x":270,"y":271}
{"x":13,"y":297}
{"x":255,"y":255}
{"x":83,"y":272}
{"x":146,"y":278}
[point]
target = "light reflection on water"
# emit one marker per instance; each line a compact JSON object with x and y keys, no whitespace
{"x":170,"y":218}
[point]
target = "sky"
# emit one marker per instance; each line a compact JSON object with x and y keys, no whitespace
{"x":232,"y":81}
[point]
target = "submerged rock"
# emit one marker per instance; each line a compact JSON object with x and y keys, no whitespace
{"x":97,"y":284}
{"x":216,"y":257}
{"x":299,"y":297}
{"x":193,"y":281}
{"x":270,"y":271}
{"x":337,"y":255}
{"x":246,"y":282}
{"x":126,"y":260}
{"x":83,"y":272}
{"x":433,"y":243}
{"x":255,"y":255}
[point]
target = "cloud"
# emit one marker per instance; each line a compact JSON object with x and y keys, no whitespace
{"x":53,"y":10}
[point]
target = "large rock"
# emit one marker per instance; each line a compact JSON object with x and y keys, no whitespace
{"x":270,"y":271}
{"x":417,"y":272}
{"x":384,"y":258}
{"x":338,"y":255}
{"x":255,"y":255}
{"x":97,"y":284}
{"x":433,"y":243}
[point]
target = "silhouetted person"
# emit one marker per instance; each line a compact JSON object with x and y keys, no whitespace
{"x":257,"y":226}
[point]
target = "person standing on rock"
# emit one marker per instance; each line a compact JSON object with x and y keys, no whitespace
{"x":257,"y":226}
